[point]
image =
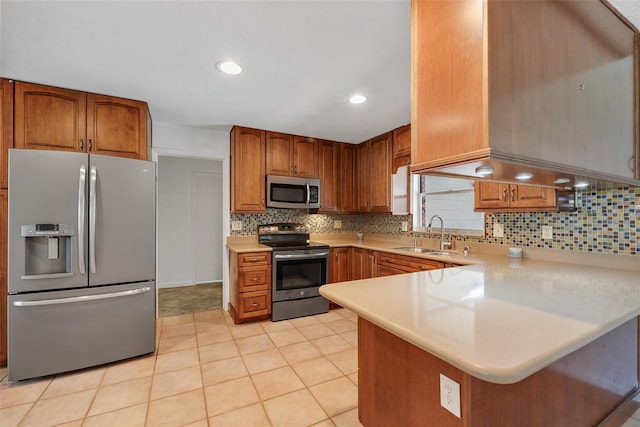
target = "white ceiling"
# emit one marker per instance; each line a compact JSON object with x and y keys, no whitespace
{"x":302,"y":59}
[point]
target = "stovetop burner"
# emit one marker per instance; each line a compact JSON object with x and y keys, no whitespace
{"x":287,"y":236}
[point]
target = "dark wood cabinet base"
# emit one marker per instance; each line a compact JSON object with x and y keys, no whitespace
{"x":399,"y":385}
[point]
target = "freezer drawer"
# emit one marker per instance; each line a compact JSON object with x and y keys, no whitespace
{"x":53,"y":332}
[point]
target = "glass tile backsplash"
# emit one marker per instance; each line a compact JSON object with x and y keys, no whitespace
{"x":606,"y":221}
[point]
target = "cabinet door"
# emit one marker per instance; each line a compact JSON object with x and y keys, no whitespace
{"x":363,"y":264}
{"x":339,"y":265}
{"x":379,"y":174}
{"x":116,"y":127}
{"x":491,"y":195}
{"x":401,"y":147}
{"x":3,"y":276}
{"x":348,"y":177}
{"x":49,"y":118}
{"x":527,"y":196}
{"x":247,"y":170}
{"x":305,"y":157}
{"x":329,"y":172}
{"x":6,"y":128}
{"x":279,"y":154}
{"x":363,"y":178}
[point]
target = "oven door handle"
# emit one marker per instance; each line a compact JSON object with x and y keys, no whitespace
{"x":313,"y":255}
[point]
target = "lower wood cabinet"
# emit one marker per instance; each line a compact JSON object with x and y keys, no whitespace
{"x":363,"y":264}
{"x":250,"y":286}
{"x":339,"y":264}
{"x":389,"y":264}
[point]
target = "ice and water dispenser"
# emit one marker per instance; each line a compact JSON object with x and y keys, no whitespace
{"x":47,"y":250}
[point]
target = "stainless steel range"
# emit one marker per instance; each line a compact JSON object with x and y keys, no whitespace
{"x":299,"y":268}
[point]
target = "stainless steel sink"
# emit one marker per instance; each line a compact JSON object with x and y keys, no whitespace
{"x":422,"y":250}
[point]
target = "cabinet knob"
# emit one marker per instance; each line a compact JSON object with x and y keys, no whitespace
{"x":81,"y":144}
{"x":504,"y":194}
{"x":513,"y":194}
{"x":90,"y":145}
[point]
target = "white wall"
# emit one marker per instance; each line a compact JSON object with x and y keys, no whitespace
{"x":201,"y":143}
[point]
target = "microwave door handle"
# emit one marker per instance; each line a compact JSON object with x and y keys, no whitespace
{"x":308,"y":193}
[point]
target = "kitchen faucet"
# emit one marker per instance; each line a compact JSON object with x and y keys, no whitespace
{"x":442,"y":242}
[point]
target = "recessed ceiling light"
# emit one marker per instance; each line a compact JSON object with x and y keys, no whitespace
{"x":561,"y":181}
{"x":229,"y":67}
{"x":484,"y":170}
{"x":357,"y":99}
{"x":581,"y":184}
{"x":523,"y":176}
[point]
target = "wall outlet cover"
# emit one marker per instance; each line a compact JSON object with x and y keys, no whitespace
{"x":405,"y":225}
{"x":450,"y":395}
{"x":236,"y":225}
{"x":498,"y":230}
{"x":547,"y":232}
{"x":337,"y":223}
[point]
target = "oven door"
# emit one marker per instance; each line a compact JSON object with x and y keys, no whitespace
{"x":299,"y":273}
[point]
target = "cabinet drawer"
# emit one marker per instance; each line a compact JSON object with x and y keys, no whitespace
{"x":256,"y":303}
{"x":254,"y":258}
{"x":406,"y":263}
{"x":254,"y":278}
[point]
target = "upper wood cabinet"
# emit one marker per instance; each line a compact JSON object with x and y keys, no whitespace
{"x":247,"y":167}
{"x":6,"y":128}
{"x":329,"y":163}
{"x":290,"y":155}
{"x":374,"y":175}
{"x":495,"y":196}
{"x":547,"y":83}
{"x":50,"y":118}
{"x":401,"y":147}
{"x":348,"y":178}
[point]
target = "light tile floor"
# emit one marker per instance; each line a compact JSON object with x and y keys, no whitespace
{"x":208,"y":372}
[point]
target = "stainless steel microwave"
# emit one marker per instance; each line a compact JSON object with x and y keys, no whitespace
{"x":293,"y":192}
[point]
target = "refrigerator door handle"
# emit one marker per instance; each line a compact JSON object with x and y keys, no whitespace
{"x":82,"y":298}
{"x":92,"y":219}
{"x":81,"y":216}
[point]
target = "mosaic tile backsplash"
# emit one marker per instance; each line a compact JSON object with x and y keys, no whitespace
{"x":606,"y":221}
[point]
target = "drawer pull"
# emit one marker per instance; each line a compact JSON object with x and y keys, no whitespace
{"x":253,"y":279}
{"x":255,"y":304}
{"x":253,"y":259}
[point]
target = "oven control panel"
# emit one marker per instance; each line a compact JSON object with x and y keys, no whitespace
{"x":283,"y":228}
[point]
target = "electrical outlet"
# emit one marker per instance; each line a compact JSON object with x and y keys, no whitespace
{"x":450,"y":395}
{"x":405,"y":225}
{"x":337,"y":223}
{"x":236,"y":225}
{"x":498,"y":230}
{"x":547,"y":232}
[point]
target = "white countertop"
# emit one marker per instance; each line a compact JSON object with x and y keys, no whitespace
{"x":499,"y":321}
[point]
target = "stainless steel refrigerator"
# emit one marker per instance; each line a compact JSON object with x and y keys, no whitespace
{"x":81,"y":273}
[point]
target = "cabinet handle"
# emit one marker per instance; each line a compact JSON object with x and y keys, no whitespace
{"x":90,"y":145}
{"x":504,"y":194}
{"x":255,"y":304}
{"x":81,"y":144}
{"x":253,"y":259}
{"x":253,"y":279}
{"x":513,"y":194}
{"x":389,"y":260}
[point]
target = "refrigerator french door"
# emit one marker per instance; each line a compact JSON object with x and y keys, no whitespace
{"x":81,"y":274}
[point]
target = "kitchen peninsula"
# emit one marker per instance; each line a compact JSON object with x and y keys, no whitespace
{"x":529,"y":342}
